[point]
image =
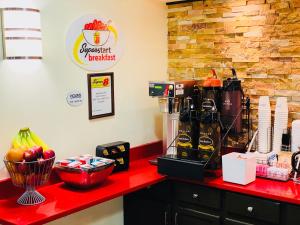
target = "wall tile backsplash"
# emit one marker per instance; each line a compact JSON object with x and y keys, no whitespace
{"x":260,"y":38}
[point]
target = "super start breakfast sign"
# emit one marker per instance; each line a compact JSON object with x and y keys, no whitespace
{"x":94,"y":43}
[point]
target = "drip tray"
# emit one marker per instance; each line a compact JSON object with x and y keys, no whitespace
{"x":180,"y":168}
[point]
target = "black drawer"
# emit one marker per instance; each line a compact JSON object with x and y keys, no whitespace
{"x":199,"y":195}
{"x":256,"y":208}
{"x":292,"y":215}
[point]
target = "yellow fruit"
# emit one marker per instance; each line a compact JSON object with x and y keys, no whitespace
{"x":23,"y":148}
{"x":15,"y":154}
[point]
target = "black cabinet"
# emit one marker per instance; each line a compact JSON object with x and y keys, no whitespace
{"x":150,"y":206}
{"x":261,"y":211}
{"x":196,"y":205}
{"x":146,"y":212}
{"x":182,"y":203}
{"x":197,"y":195}
{"x":292,"y":215}
{"x":186,"y":216}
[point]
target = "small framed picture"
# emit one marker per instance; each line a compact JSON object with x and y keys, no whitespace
{"x":101,"y":95}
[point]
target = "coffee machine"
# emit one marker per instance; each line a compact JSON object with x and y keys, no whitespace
{"x":194,"y":136}
{"x":171,"y":95}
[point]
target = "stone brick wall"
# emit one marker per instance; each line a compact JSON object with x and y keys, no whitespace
{"x":260,"y":38}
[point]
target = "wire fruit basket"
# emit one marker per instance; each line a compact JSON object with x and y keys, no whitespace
{"x":30,"y":175}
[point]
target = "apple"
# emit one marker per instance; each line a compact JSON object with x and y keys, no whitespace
{"x":30,"y":155}
{"x":41,"y":161}
{"x":38,"y":150}
{"x":48,"y":154}
{"x":42,"y":164}
{"x":23,"y":168}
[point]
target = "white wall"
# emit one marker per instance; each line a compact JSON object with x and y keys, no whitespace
{"x":34,"y":93}
{"x":107,"y":213}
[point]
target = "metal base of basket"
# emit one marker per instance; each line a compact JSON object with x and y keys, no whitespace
{"x":31,"y":197}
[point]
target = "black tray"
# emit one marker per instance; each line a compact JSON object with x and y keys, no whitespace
{"x":173,"y":166}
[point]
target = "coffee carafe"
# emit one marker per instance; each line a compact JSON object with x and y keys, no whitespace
{"x":209,"y":145}
{"x":232,"y":99}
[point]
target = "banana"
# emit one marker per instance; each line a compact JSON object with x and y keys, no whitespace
{"x":16,"y":142}
{"x":23,"y":139}
{"x":37,"y":140}
{"x":29,"y":140}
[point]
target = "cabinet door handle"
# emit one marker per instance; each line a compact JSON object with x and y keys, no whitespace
{"x":176,"y":215}
{"x":166,"y":216}
{"x":250,"y":209}
{"x":195,"y":196}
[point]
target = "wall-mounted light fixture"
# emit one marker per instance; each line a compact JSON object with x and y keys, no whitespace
{"x":21,"y":28}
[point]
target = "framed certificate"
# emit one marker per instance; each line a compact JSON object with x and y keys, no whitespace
{"x":101,"y":95}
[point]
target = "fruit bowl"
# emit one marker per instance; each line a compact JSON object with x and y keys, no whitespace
{"x":96,"y":37}
{"x":30,"y":175}
{"x":84,"y":178}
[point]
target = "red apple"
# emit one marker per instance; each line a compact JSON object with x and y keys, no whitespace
{"x":30,"y":155}
{"x":42,"y":164}
{"x":41,"y":161}
{"x":48,"y":154}
{"x":23,"y":168}
{"x":38,"y":150}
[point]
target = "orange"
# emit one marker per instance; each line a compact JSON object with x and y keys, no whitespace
{"x":15,"y":154}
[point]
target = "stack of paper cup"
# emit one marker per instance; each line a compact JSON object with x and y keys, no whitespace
{"x":280,"y":122}
{"x":295,"y":135}
{"x":264,"y":124}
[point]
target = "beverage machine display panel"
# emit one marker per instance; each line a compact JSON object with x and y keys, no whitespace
{"x":171,"y":89}
{"x":161,"y":89}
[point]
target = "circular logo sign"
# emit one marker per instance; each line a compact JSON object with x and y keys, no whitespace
{"x":75,"y":98}
{"x":94,"y":43}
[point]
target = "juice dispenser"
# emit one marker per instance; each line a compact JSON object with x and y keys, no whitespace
{"x":171,"y":95}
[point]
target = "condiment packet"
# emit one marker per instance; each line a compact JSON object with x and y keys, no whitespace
{"x":74,"y":164}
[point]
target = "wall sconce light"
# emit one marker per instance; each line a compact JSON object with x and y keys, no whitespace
{"x":22,"y":37}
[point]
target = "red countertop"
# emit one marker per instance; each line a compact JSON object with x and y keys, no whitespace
{"x":276,"y":190}
{"x":62,"y":200}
